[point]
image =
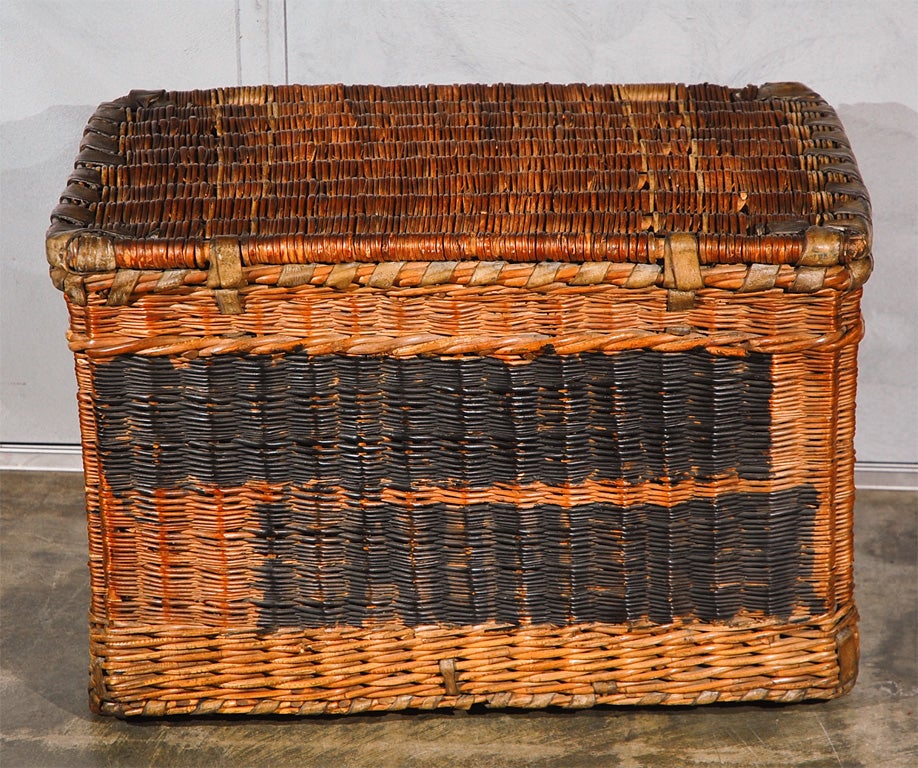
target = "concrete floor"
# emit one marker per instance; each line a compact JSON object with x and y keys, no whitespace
{"x":45,"y":721}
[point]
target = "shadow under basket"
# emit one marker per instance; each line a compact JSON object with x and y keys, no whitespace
{"x":434,"y":396}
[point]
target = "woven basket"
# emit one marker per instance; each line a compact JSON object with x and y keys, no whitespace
{"x":424,"y":397}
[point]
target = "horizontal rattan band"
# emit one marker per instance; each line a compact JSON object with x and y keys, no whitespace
{"x":495,"y":320}
{"x":522,"y":496}
{"x":431,"y":344}
{"x":125,"y":286}
{"x":618,"y":493}
{"x":170,"y":670}
{"x":102,"y":250}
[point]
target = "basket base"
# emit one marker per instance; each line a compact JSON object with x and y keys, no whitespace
{"x":159,"y":671}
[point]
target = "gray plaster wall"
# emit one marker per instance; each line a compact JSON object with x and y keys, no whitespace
{"x":59,"y":59}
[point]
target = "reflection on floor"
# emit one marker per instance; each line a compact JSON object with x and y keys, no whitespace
{"x":45,"y":721}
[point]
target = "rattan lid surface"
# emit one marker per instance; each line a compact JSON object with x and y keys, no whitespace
{"x":330,"y":174}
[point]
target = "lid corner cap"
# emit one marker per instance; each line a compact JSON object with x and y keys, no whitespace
{"x":80,"y":251}
{"x":822,"y":247}
{"x":56,"y":240}
{"x":788,"y":90}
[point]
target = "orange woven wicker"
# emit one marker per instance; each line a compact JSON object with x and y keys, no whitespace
{"x":419,"y":397}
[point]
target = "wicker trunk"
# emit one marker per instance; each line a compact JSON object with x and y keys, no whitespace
{"x":421,"y":397}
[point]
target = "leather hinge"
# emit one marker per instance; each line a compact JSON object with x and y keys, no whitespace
{"x":225,"y":274}
{"x":450,"y":681}
{"x":846,"y":645}
{"x":681,"y":271}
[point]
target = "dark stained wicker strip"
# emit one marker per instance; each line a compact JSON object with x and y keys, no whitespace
{"x":323,"y":556}
{"x":365,"y":423}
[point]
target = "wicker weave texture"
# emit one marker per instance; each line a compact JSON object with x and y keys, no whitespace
{"x":432,"y":396}
{"x":523,"y":173}
{"x":174,"y":670}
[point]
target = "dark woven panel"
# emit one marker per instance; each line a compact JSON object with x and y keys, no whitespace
{"x":364,"y":423}
{"x":327,"y":564}
{"x":338,"y":437}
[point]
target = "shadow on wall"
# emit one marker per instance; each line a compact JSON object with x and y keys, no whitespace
{"x":37,"y":400}
{"x":885,"y":141}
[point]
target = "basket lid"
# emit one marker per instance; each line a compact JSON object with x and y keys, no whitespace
{"x":528,"y":173}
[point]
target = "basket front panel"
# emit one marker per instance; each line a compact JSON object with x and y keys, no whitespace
{"x":301,"y":491}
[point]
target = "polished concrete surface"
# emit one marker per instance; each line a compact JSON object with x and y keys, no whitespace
{"x":44,"y":718}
